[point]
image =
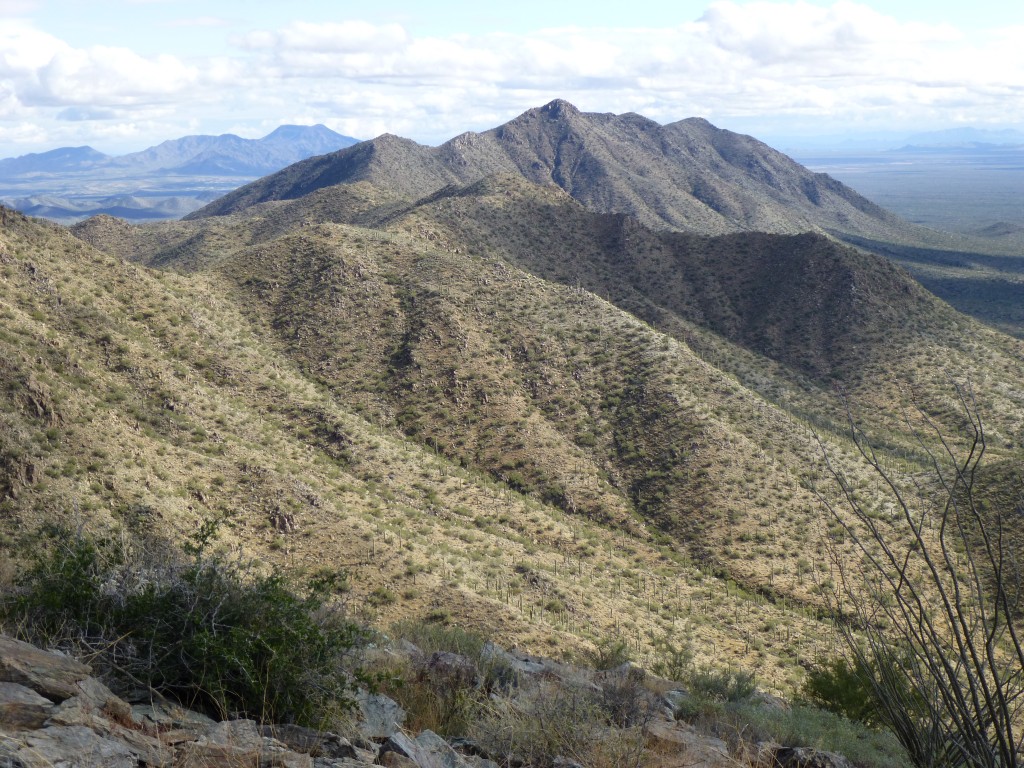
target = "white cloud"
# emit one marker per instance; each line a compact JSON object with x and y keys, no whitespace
{"x":336,"y":38}
{"x":843,"y":62}
{"x":17,"y":7}
{"x":24,"y":49}
{"x":795,"y":33}
{"x":42,"y":71}
{"x":111,"y":76}
{"x":199,"y":21}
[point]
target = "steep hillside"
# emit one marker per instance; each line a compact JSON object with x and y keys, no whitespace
{"x":463,"y":438}
{"x":653,"y":383}
{"x":795,"y":318}
{"x":791,"y":316}
{"x":488,"y":403}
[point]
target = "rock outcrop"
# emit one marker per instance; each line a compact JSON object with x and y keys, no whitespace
{"x":55,"y":714}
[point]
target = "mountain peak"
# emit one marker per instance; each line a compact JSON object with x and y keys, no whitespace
{"x":388,"y":139}
{"x":294,"y":132}
{"x":559,"y":108}
{"x":688,"y":175}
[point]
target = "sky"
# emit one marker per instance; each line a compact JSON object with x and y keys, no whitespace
{"x":122,"y":75}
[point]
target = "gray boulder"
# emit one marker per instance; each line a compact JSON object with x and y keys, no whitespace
{"x":315,"y":743}
{"x":52,"y":675}
{"x":805,"y":757}
{"x":380,"y":716}
{"x":428,"y":750}
{"x":22,"y":708}
{"x":60,"y":746}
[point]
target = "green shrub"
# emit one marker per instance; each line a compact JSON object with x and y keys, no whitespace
{"x":609,"y":653}
{"x":843,"y":688}
{"x":431,"y":636}
{"x":674,"y":660}
{"x":552,"y":721}
{"x":445,"y":704}
{"x":712,"y":691}
{"x":807,"y":726}
{"x":206,"y":630}
{"x":381,"y":596}
{"x":625,"y":699}
{"x":724,"y":685}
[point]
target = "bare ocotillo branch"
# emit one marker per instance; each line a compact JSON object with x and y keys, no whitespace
{"x":934,"y":601}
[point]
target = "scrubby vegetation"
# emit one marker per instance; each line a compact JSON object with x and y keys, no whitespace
{"x":599,"y":716}
{"x":206,"y":629}
{"x":505,"y":417}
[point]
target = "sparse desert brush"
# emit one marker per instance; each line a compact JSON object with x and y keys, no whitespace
{"x":205,"y":629}
{"x":553,"y":720}
{"x":655,"y":389}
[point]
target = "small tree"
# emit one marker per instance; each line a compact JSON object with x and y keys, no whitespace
{"x":932,"y":609}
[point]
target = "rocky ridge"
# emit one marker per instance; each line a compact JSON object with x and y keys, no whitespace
{"x":688,"y":175}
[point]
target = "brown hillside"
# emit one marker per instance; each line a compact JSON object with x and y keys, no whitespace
{"x":140,"y":403}
{"x":438,"y":326}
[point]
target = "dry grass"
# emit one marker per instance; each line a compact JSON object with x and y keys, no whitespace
{"x":462,"y":436}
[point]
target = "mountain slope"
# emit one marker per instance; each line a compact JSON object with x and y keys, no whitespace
{"x":469,"y":321}
{"x":550,"y":422}
{"x":687,"y":175}
{"x":813,"y":311}
{"x":461,"y":436}
{"x":764,"y":292}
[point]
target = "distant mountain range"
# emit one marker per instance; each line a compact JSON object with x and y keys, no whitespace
{"x":224,"y":155}
{"x":961,"y":138}
{"x":165,"y":181}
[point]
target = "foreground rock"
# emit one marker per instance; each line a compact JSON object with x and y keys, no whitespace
{"x":54,"y":714}
{"x":52,"y":675}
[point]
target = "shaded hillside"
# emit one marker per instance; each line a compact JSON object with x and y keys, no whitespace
{"x":791,"y":316}
{"x":814,"y":313}
{"x":805,"y":301}
{"x":687,"y":175}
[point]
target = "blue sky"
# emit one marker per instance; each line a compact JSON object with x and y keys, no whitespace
{"x":121,"y":75}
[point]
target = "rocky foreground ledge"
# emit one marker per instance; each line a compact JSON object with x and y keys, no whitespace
{"x":55,"y":714}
